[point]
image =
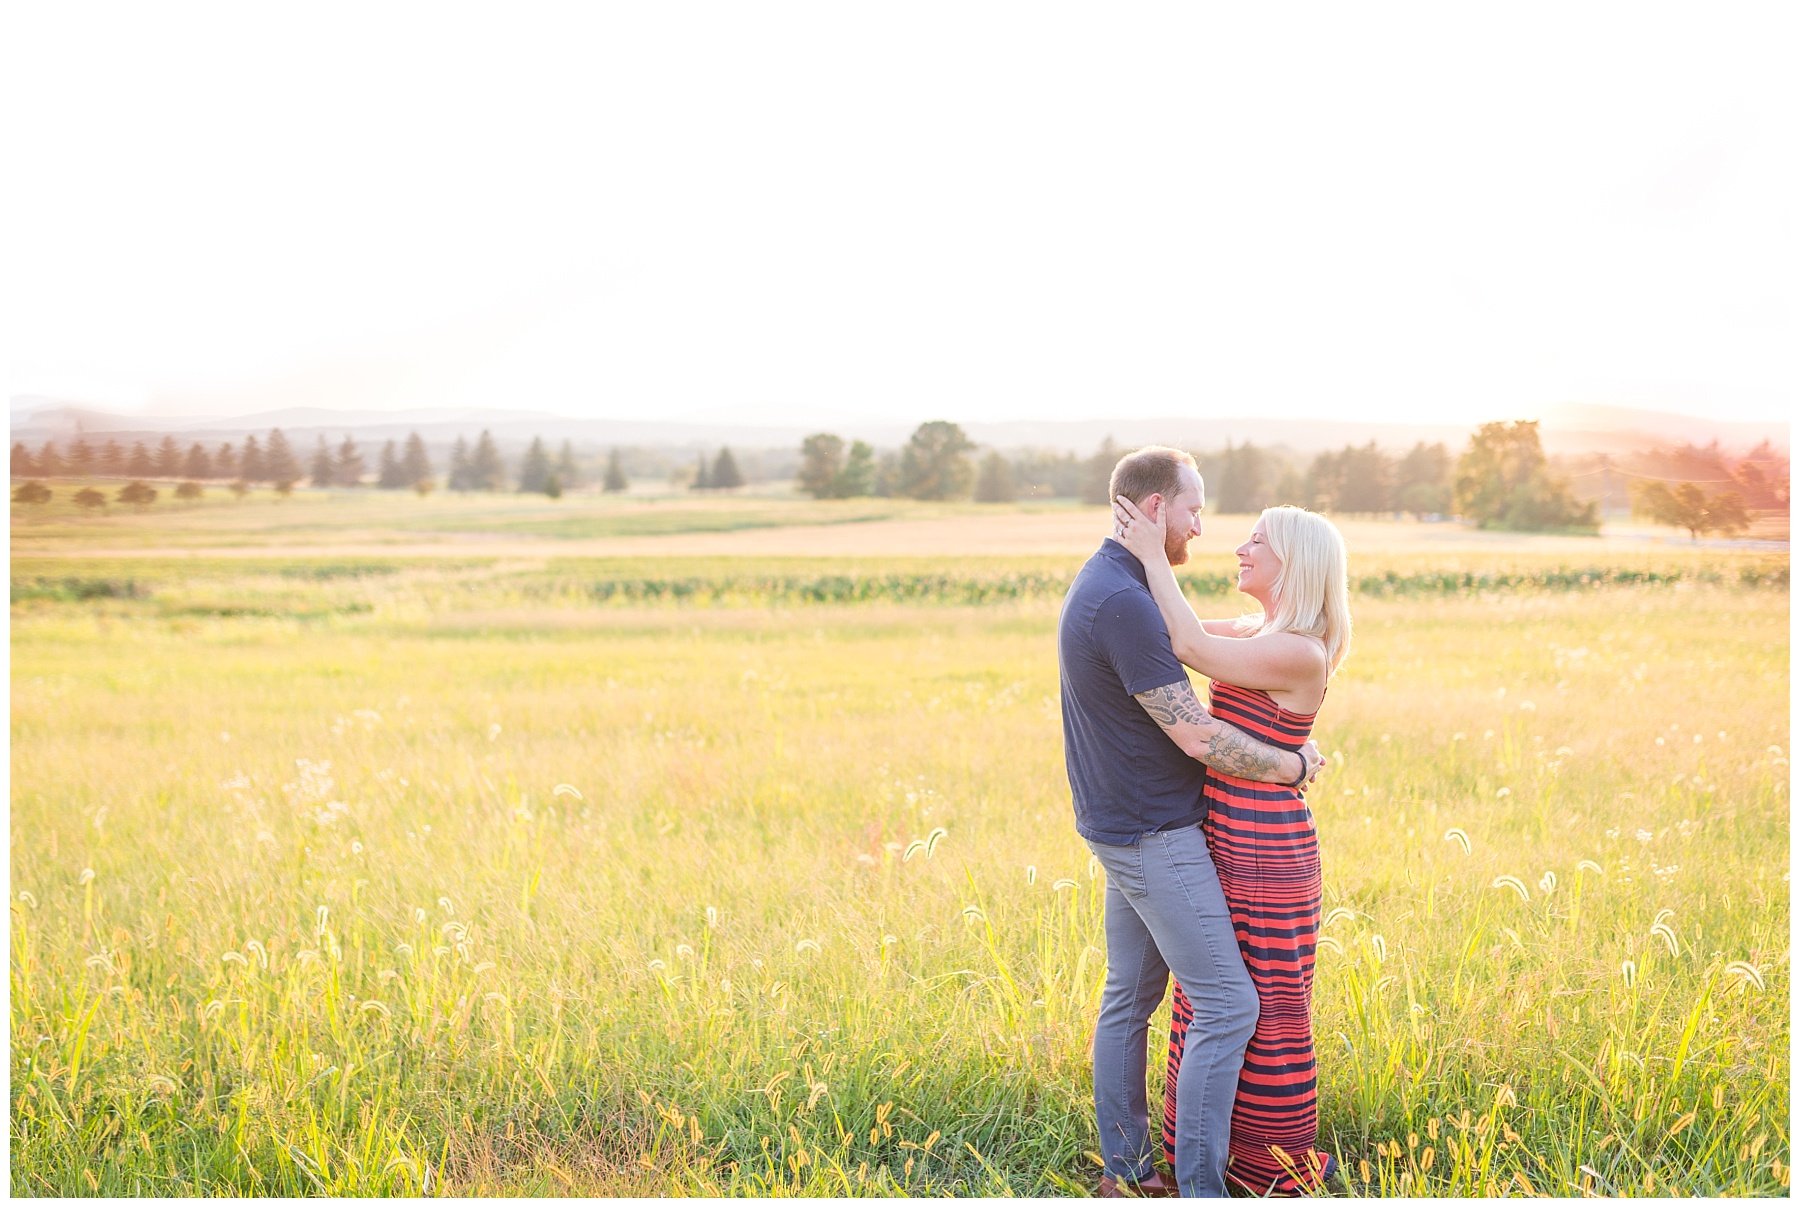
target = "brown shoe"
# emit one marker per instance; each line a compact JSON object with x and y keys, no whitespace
{"x":1152,"y":1187}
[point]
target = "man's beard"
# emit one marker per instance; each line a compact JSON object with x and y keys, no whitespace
{"x":1176,"y":547}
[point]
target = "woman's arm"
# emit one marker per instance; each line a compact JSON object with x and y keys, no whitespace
{"x":1273,"y":662}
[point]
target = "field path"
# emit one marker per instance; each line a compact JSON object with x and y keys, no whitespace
{"x":1061,"y":533}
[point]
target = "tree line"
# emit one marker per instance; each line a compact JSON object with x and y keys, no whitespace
{"x":401,"y":465}
{"x":1501,"y":480}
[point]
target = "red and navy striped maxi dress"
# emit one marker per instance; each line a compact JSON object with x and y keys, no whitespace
{"x":1267,"y":853}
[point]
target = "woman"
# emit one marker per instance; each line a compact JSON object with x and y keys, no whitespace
{"x":1269,"y":672}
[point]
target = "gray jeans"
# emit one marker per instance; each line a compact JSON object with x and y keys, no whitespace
{"x":1165,"y":913}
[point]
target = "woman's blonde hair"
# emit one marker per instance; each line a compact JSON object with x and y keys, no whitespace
{"x":1312,"y":593}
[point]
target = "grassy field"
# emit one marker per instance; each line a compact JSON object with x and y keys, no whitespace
{"x":356,"y":874}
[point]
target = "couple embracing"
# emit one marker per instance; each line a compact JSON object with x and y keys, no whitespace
{"x":1196,"y":815}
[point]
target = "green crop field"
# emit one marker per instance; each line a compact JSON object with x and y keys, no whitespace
{"x":346,"y":874}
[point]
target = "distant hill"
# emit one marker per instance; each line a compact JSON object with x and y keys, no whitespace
{"x":1568,"y":428}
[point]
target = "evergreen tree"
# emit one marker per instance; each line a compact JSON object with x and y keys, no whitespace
{"x":81,"y":456}
{"x":461,"y":477}
{"x":615,"y":475}
{"x":534,"y":468}
{"x":1290,"y":488}
{"x":225,"y":462}
{"x":23,"y":464}
{"x":322,"y":471}
{"x":1245,"y":485}
{"x":198,"y":464}
{"x":702,"y":480}
{"x":112,"y":459}
{"x":995,"y":482}
{"x":140,"y":465}
{"x":49,"y":461}
{"x":350,"y":465}
{"x":391,"y":476}
{"x":253,"y":466}
{"x":567,"y":472}
{"x":415,"y":463}
{"x":725,"y":476}
{"x":283,"y":469}
{"x":485,"y":467}
{"x":168,"y":458}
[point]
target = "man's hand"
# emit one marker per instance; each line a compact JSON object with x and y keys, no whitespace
{"x":1219,"y":746}
{"x":1315,"y":759}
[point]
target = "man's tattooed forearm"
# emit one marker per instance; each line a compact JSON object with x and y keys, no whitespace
{"x":1227,"y":750}
{"x":1235,"y":754}
{"x":1171,"y":704}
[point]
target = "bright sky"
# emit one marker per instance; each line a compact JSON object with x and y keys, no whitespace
{"x":779,"y":212}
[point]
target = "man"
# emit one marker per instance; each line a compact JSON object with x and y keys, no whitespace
{"x":1138,"y":742}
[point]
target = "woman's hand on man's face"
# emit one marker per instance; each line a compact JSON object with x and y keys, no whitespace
{"x":1138,"y":532}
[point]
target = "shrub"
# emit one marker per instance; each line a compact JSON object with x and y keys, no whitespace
{"x":138,"y":494}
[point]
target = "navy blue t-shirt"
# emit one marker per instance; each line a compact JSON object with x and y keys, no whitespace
{"x":1128,"y":777}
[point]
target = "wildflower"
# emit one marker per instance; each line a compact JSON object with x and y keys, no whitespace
{"x":1460,"y":836}
{"x":1628,"y":971}
{"x":973,"y":914}
{"x":567,"y":790}
{"x":805,"y":945}
{"x":1503,"y":792}
{"x":1062,"y":883}
{"x":1667,"y":934}
{"x":1547,"y":882}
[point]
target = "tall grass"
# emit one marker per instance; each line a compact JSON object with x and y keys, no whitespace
{"x":753,"y":900}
